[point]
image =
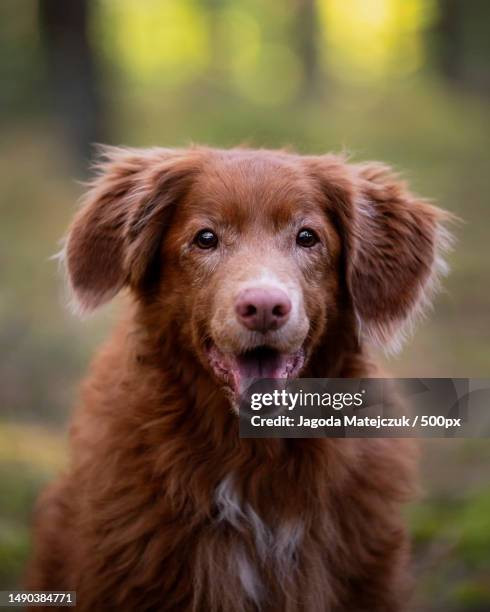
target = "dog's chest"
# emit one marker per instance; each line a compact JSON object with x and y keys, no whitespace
{"x":257,"y":547}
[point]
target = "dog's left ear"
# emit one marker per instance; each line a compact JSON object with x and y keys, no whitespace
{"x":115,"y":234}
{"x":394,"y":244}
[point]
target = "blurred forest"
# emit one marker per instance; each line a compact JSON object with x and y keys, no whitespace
{"x":404,"y":81}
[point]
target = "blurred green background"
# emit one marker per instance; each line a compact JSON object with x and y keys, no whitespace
{"x":404,"y":81}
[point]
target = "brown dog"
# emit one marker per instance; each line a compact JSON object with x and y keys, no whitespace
{"x":239,"y":263}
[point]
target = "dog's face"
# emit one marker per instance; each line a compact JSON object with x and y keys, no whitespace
{"x":254,"y":259}
{"x":252,"y":255}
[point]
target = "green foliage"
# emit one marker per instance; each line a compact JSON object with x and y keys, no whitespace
{"x":19,"y":486}
{"x":452,"y":548}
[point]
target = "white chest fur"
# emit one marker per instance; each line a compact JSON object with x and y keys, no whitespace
{"x":276,"y":546}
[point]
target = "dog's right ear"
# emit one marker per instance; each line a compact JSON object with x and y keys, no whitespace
{"x":119,"y":226}
{"x":394,"y":245}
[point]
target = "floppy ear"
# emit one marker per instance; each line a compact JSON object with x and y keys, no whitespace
{"x":116,"y":233}
{"x":394,"y":246}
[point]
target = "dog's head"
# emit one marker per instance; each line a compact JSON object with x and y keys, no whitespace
{"x":254,"y":255}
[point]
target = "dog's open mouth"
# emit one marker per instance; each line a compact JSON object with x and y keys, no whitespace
{"x":240,"y":370}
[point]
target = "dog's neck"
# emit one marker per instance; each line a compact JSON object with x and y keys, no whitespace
{"x":202,"y":424}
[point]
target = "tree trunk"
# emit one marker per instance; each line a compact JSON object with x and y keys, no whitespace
{"x":306,"y":43}
{"x":450,"y":34}
{"x":71,"y":64}
{"x":463,"y":43}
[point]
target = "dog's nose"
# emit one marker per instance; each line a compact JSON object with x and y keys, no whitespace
{"x":262,"y":309}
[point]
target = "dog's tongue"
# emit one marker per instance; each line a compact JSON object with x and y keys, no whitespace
{"x":240,"y":371}
{"x":260,"y":363}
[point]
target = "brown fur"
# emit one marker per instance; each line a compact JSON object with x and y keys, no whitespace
{"x":133,"y":524}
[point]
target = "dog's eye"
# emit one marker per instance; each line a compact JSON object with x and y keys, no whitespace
{"x":306,"y":238}
{"x":206,"y":239}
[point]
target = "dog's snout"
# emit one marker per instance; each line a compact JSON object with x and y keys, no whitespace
{"x":262,"y":309}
